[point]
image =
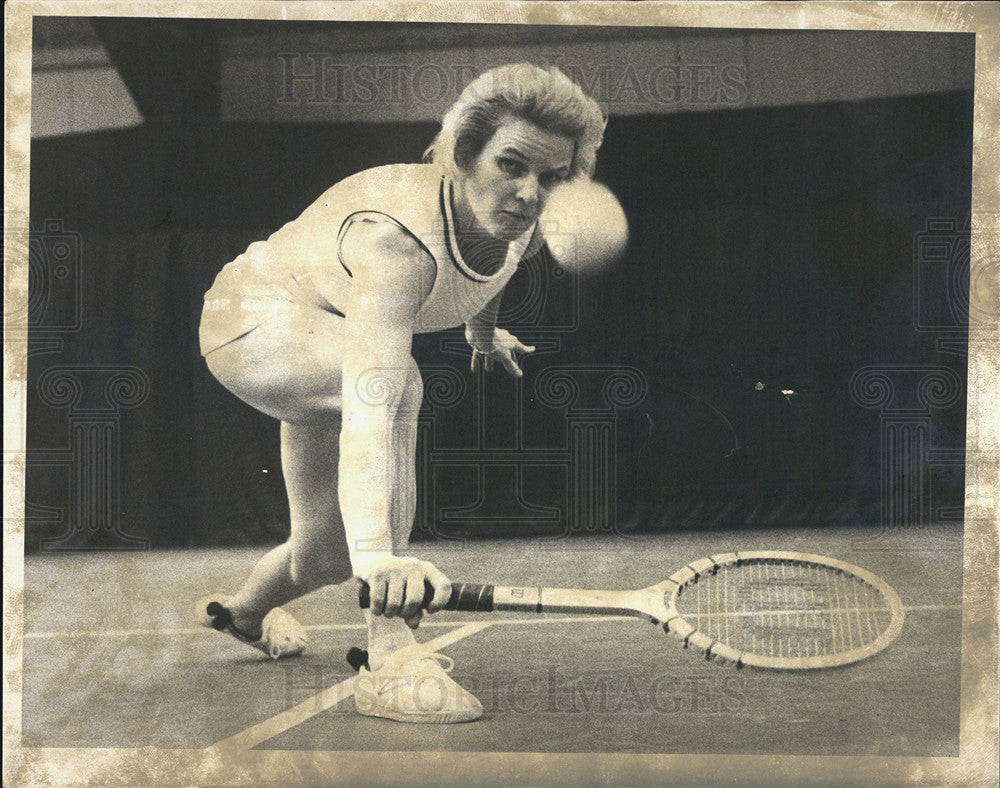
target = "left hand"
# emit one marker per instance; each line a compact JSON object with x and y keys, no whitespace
{"x":502,"y":346}
{"x":396,"y":585}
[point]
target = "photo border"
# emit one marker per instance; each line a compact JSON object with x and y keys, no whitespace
{"x":976,"y":762}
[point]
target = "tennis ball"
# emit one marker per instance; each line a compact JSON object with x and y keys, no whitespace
{"x":584,"y":226}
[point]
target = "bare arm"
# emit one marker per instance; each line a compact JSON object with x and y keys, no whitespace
{"x":385,"y":298}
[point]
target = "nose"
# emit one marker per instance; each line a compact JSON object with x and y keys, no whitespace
{"x":527,"y":190}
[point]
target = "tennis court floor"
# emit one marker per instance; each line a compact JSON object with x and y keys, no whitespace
{"x":112,"y":659}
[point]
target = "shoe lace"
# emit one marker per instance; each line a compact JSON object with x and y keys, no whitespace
{"x":424,"y":664}
{"x":436,"y":661}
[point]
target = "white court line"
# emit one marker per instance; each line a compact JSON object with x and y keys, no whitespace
{"x":328,"y":698}
{"x":331,"y":696}
{"x":115,"y":633}
{"x":124,"y":633}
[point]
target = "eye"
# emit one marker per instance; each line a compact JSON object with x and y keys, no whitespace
{"x":550,"y":180}
{"x":512,"y":167}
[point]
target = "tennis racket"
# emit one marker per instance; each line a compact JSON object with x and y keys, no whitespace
{"x":766,"y":609}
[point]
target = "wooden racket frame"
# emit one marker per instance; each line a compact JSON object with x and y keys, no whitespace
{"x":713,"y":649}
{"x":659,"y":604}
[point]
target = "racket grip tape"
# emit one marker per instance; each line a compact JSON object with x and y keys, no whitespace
{"x":470,"y":597}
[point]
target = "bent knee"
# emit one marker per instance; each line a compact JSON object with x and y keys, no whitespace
{"x":319,"y":565}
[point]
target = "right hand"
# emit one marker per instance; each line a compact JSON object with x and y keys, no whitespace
{"x":496,"y":344}
{"x":396,"y":586}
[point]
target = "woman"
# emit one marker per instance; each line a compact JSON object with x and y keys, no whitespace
{"x":314,"y":327}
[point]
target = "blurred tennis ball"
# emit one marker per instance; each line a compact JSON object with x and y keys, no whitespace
{"x":584,"y":226}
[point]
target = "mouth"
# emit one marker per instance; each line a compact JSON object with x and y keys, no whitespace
{"x":518,"y":216}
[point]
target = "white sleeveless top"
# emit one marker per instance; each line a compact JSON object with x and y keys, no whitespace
{"x":273,"y":273}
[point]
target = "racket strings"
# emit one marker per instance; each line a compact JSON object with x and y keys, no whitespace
{"x":785,"y":609}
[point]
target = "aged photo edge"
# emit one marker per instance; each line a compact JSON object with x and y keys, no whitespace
{"x":978,"y":745}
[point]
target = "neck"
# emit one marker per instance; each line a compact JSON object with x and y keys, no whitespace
{"x":483,"y":253}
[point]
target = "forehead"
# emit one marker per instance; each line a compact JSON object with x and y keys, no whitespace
{"x":547,"y":149}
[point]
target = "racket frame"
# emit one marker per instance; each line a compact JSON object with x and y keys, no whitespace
{"x":692,"y":637}
{"x":658,"y":603}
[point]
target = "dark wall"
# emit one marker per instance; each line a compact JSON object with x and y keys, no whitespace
{"x":771,"y":249}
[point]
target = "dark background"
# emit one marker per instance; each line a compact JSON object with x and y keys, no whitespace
{"x":772,"y":248}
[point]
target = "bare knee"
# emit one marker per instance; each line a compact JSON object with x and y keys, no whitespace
{"x":318,"y":564}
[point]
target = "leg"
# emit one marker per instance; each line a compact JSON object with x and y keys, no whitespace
{"x":290,"y":369}
{"x":402,"y":683}
{"x":315,"y":554}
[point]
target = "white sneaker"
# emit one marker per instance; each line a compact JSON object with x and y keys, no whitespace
{"x":281,"y":635}
{"x":412,"y":686}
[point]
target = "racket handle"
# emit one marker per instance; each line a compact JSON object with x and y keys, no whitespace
{"x":470,"y":597}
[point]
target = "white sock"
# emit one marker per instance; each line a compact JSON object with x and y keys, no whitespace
{"x":386,"y":635}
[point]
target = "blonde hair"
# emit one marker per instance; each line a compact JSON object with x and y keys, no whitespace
{"x":545,"y":97}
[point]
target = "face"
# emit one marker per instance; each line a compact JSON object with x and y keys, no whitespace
{"x":505,"y":189}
